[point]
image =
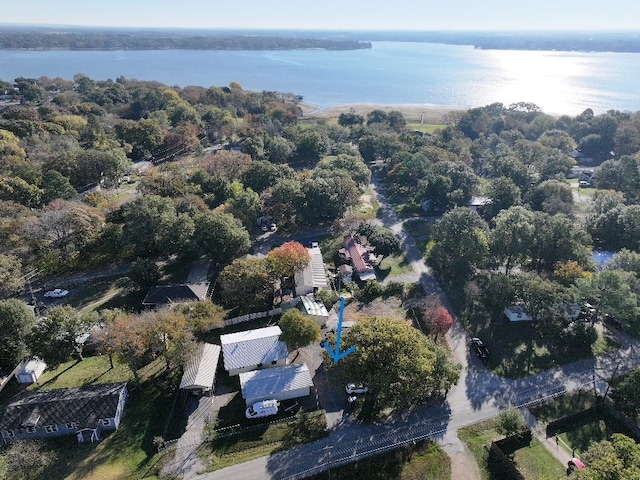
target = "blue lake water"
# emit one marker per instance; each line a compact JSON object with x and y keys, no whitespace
{"x":389,"y":73}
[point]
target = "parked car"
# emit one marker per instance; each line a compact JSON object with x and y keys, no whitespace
{"x":262,"y":409}
{"x":57,"y":293}
{"x":479,"y":348}
{"x":273,"y":227}
{"x":584,"y":184}
{"x":352,"y":388}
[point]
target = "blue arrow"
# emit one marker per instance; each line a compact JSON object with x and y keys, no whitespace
{"x":336,"y":355}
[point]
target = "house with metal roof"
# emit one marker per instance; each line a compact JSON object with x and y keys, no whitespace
{"x":83,"y":411}
{"x":168,"y":294}
{"x":200,"y":373}
{"x":314,"y":275}
{"x":281,"y":383}
{"x":253,"y":349}
{"x":310,"y":306}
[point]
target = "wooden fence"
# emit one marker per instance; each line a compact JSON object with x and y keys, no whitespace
{"x":252,"y":316}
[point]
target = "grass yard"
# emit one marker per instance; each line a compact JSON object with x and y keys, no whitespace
{"x":592,"y":427}
{"x":262,"y":439}
{"x":564,"y":405}
{"x":368,"y":208}
{"x":533,"y":460}
{"x":424,"y":128}
{"x":128,"y":453}
{"x":393,"y":266}
{"x":426,"y":460}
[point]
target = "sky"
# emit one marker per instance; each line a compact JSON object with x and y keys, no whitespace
{"x":334,"y":14}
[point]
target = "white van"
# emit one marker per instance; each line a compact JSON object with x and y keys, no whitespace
{"x":262,"y":409}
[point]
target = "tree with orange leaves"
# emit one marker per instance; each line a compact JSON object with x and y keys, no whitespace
{"x":286,"y":260}
{"x":439,"y":320}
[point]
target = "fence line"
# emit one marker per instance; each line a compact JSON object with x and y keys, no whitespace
{"x":252,"y":316}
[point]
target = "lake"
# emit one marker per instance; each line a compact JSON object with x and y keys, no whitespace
{"x":390,"y":73}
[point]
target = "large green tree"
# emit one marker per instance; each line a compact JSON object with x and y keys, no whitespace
{"x":222,"y":236}
{"x":415,"y":367}
{"x":246,"y":285}
{"x":16,"y":322}
{"x":614,"y":459}
{"x":298,"y":330}
{"x":460,"y":244}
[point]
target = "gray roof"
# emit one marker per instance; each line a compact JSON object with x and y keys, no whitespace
{"x":165,"y":294}
{"x":266,"y":383}
{"x":82,"y":405}
{"x":252,"y":347}
{"x":201,"y":370}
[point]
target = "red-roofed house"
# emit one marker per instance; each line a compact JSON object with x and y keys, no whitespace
{"x":359,"y":257}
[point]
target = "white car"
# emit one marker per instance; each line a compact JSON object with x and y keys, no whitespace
{"x":352,"y":388}
{"x":57,"y":293}
{"x":262,"y":409}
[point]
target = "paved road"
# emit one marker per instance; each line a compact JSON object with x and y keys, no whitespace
{"x":479,"y":394}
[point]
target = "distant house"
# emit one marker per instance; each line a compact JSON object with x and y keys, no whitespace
{"x":477,"y":204}
{"x":30,"y":371}
{"x":314,"y":275}
{"x":281,"y":383}
{"x":310,"y":306}
{"x":359,"y":257}
{"x":253,"y":349}
{"x":200,"y":373}
{"x":515,"y":313}
{"x":82,"y":411}
{"x":168,"y":294}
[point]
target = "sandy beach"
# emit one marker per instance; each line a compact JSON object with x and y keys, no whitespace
{"x":433,"y":114}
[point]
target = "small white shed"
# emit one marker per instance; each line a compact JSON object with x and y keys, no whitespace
{"x":30,"y":371}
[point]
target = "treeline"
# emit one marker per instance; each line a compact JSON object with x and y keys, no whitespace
{"x":134,"y":40}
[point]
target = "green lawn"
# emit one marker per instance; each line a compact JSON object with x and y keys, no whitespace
{"x":426,"y":460}
{"x":564,"y":405}
{"x":392,"y":266}
{"x":91,"y":371}
{"x":533,"y":460}
{"x":424,"y":128}
{"x":262,"y":439}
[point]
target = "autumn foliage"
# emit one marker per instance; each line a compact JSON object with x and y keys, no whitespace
{"x":286,"y":260}
{"x":439,"y":320}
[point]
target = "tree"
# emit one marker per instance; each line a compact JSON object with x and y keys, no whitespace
{"x":245,"y":206}
{"x":351,"y":164}
{"x":127,"y":336}
{"x":610,"y":293}
{"x":311,"y":146}
{"x":414,"y":366}
{"x":29,"y":460}
{"x":298,"y":330}
{"x":262,"y":175}
{"x":512,"y":238}
{"x":286,"y":260}
{"x":202,"y":316}
{"x":504,"y":194}
{"x":246,"y":285}
{"x":460,"y":244}
{"x":509,"y":422}
{"x":625,"y":394}
{"x":56,"y":337}
{"x":144,"y":272}
{"x":385,"y":242}
{"x":552,"y":197}
{"x":614,"y":459}
{"x":11,"y":275}
{"x":222,"y":236}
{"x":55,"y":185}
{"x":439,"y":320}
{"x":16,"y":322}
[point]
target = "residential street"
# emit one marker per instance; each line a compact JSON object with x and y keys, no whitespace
{"x":479,"y":394}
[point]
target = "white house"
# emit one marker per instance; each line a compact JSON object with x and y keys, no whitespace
{"x":309,"y":306}
{"x":200,"y":373}
{"x":281,"y":383}
{"x":360,"y":258}
{"x":515,"y":313}
{"x":30,"y":371}
{"x":314,"y":275}
{"x":253,"y":349}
